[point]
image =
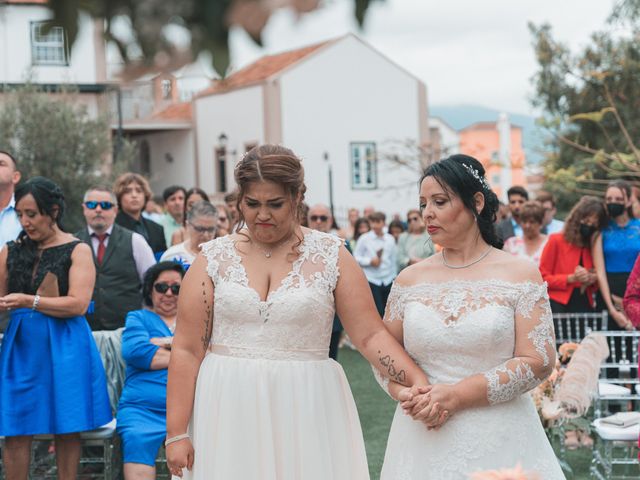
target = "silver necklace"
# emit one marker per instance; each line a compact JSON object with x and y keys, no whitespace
{"x":444,"y":260}
{"x":269,"y":253}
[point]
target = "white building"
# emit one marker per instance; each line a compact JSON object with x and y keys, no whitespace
{"x":445,"y":140}
{"x":28,"y":52}
{"x":335,"y":104}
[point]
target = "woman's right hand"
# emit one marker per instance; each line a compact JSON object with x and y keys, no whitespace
{"x":180,"y":455}
{"x":620,"y":318}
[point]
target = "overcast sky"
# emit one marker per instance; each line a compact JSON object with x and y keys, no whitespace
{"x":466,"y":51}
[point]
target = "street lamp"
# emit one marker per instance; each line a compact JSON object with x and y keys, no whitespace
{"x":325,"y":156}
{"x":221,"y":160}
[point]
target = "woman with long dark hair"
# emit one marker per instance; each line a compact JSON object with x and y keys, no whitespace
{"x":615,"y":251}
{"x":477,"y":320}
{"x":566,"y":263}
{"x":53,"y":381}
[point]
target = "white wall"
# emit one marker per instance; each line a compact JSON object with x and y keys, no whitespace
{"x":239,"y":115}
{"x":15,"y":49}
{"x":350,"y":93}
{"x":180,"y":145}
{"x":450,"y":139}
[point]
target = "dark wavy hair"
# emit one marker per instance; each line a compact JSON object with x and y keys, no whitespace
{"x":271,"y":163}
{"x":457,"y":175}
{"x":588,"y":206}
{"x":47,"y":194}
{"x":151,"y":275}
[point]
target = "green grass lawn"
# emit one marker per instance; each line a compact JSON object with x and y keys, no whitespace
{"x":376,"y":412}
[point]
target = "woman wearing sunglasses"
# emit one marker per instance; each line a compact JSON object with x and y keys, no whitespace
{"x":146,"y":349}
{"x":201,"y":225}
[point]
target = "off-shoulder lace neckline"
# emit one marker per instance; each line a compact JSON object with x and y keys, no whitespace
{"x":471,"y":282}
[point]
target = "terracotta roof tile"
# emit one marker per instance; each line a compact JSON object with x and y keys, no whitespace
{"x":176,"y":111}
{"x":261,"y":69}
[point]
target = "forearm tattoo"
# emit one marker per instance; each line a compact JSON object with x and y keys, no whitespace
{"x":388,"y":363}
{"x":208,"y":321}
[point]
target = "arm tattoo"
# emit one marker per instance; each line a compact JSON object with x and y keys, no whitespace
{"x":395,"y":375}
{"x":208,"y":321}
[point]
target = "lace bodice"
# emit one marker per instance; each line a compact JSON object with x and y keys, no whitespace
{"x":28,"y":267}
{"x":457,"y":329}
{"x":295,"y":320}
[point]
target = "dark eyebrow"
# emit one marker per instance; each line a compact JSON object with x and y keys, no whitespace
{"x":277,"y":199}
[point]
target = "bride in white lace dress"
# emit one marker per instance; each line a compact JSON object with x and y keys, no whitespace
{"x":254,"y":324}
{"x":478,"y":322}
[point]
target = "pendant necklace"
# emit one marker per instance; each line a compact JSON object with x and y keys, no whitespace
{"x":269,"y":253}
{"x":444,"y":260}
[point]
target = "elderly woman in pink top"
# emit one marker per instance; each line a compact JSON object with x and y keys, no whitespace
{"x":532,"y":242}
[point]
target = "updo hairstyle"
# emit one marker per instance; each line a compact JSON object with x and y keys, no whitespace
{"x":464,"y":176}
{"x":271,"y":163}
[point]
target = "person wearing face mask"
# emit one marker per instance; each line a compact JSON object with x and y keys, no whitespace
{"x":566,"y":263}
{"x":615,"y":251}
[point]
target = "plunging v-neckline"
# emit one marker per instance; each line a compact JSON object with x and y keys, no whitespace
{"x":284,"y":282}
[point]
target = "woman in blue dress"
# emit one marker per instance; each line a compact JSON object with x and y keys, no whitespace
{"x":53,"y":381}
{"x":615,"y":252}
{"x":146,"y":347}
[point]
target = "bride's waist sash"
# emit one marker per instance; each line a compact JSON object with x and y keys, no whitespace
{"x":270,"y":353}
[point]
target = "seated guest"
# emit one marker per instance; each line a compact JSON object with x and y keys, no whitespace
{"x":632,"y":295}
{"x":532,"y":242}
{"x":132,"y":193}
{"x":146,"y":348}
{"x":201,"y":227}
{"x":415,"y":244}
{"x":194,"y":195}
{"x":231,"y":201}
{"x":566,"y":263}
{"x":174,"y":205}
{"x":120,"y":256}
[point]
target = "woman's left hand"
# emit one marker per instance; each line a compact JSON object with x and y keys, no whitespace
{"x":16,"y":300}
{"x":445,"y":396}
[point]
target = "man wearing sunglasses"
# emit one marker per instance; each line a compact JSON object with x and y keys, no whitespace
{"x":121,"y":258}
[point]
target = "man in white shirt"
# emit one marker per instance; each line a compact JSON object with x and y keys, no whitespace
{"x":121,"y":258}
{"x":376,"y":254}
{"x":549,"y":223}
{"x":9,"y":177}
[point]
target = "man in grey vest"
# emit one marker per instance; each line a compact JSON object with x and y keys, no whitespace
{"x":121,"y":258}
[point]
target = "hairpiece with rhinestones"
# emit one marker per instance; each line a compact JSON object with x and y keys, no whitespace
{"x":476,"y":175}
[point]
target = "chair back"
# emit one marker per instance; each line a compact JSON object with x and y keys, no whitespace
{"x":574,"y":327}
{"x":109,"y":344}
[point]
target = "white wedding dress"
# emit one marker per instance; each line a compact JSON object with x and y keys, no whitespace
{"x":269,"y":403}
{"x":460,"y":328}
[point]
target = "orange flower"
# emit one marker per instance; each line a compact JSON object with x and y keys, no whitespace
{"x":506,"y":474}
{"x":566,"y":350}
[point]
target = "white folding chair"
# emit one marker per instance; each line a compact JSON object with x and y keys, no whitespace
{"x":615,"y":453}
{"x":573,"y":327}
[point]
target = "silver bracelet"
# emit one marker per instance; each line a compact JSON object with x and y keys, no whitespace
{"x":175,"y":439}
{"x":36,"y":301}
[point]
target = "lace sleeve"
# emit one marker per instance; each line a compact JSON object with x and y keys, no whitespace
{"x":394,"y":310}
{"x":534,"y":352}
{"x":211,"y":251}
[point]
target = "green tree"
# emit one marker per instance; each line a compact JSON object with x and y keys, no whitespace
{"x":208,"y":22}
{"x":590,"y":101}
{"x":53,"y":136}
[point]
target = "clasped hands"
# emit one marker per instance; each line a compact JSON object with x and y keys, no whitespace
{"x":432,"y":405}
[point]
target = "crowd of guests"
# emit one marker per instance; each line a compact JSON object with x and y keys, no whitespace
{"x":125,"y":268}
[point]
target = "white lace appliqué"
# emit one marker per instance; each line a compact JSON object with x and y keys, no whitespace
{"x":294,"y":321}
{"x":520,"y":379}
